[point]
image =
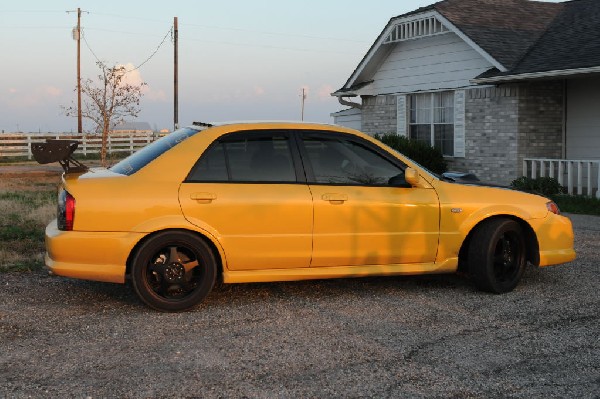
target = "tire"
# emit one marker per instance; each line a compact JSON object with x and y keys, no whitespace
{"x":497,"y":255}
{"x":173,"y":271}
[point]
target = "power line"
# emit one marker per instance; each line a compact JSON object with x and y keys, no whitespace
{"x":277,"y":33}
{"x":169,"y":32}
{"x":272,"y":33}
{"x":164,"y":39}
{"x":264,"y":46}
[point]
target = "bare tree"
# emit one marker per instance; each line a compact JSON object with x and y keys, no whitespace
{"x":108,"y":101}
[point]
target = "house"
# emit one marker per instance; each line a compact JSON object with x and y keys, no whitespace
{"x":132,"y":128}
{"x":502,"y":87}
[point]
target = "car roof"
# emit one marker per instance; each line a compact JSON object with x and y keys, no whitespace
{"x":253,"y":122}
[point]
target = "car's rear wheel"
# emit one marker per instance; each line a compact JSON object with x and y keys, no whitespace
{"x":497,"y":255}
{"x":173,"y":271}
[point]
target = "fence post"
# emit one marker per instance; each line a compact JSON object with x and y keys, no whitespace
{"x":131,"y":144}
{"x":598,"y":186}
{"x":561,"y":172}
{"x":570,"y":177}
{"x":589,"y":179}
{"x":579,"y":178}
{"x":29,"y":153}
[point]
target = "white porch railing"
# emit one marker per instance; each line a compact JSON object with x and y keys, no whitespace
{"x":19,"y":145}
{"x":580,"y":177}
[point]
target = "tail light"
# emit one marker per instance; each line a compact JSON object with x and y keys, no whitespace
{"x":66,"y":211}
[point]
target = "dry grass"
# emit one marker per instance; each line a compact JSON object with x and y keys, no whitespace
{"x":28,"y":203}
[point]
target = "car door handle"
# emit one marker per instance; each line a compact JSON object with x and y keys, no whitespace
{"x":203,"y":198}
{"x":335,"y":198}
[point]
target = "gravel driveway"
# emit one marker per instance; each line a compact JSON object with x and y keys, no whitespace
{"x":426,"y":336}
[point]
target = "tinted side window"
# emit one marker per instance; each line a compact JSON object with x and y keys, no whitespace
{"x":251,"y":159}
{"x":339,"y":161}
{"x":212,"y":165}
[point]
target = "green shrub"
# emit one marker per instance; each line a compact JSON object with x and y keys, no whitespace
{"x":541,"y":185}
{"x":419,"y":152}
{"x":577,"y":204}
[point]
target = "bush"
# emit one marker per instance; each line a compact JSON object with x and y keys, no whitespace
{"x":419,"y":152}
{"x":541,"y":185}
{"x":577,"y":204}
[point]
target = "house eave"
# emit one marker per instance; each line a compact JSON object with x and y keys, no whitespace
{"x":379,"y":49}
{"x":536,"y":75}
{"x":341,"y":93}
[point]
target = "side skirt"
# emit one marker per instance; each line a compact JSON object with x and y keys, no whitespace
{"x":307,"y":273}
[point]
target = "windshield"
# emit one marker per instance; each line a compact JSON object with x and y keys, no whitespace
{"x":143,"y":157}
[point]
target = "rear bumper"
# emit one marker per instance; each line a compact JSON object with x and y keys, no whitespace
{"x":99,"y":256}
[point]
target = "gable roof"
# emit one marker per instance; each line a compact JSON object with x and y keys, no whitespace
{"x":505,"y":29}
{"x":570,"y":44}
{"x":518,"y":37}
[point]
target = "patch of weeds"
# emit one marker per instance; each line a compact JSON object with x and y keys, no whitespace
{"x":26,"y":212}
{"x":19,"y":232}
{"x":30,"y":199}
{"x":23,"y":266}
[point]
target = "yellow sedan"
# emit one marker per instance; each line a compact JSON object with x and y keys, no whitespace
{"x":257,"y":202}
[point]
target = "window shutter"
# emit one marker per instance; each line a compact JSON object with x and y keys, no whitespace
{"x":401,"y":115}
{"x":459,"y":123}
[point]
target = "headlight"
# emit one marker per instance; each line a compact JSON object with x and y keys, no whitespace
{"x":552,"y":207}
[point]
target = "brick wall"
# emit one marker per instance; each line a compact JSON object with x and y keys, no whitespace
{"x":503,"y":125}
{"x":491,"y":126}
{"x":508,"y":123}
{"x":379,"y":114}
{"x":540,"y":120}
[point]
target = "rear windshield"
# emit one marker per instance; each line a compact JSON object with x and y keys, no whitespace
{"x":143,"y":157}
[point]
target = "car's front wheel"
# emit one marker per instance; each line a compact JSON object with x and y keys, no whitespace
{"x":173,"y":271}
{"x":497,"y":256}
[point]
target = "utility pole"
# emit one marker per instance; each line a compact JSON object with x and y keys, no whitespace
{"x":77,"y":36}
{"x":303,"y":98}
{"x":79,"y":119}
{"x":175,"y":77}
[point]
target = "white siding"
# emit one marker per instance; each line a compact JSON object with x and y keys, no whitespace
{"x":351,"y":118}
{"x":431,"y":63}
{"x":401,"y":116}
{"x":583,"y":118}
{"x":459,"y":123}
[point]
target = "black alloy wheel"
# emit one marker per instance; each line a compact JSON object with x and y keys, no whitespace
{"x":497,"y":255}
{"x":173,"y":271}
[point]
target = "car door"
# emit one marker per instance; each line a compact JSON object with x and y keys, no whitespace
{"x":363,"y":213}
{"x":248,"y":191}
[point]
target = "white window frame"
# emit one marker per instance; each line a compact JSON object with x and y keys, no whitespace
{"x":403,"y":119}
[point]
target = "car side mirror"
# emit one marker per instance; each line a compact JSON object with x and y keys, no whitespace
{"x":412,"y":177}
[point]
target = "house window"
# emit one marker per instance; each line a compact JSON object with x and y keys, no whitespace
{"x":432,"y":120}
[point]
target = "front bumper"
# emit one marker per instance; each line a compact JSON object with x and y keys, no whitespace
{"x":99,"y":256}
{"x":555,"y":238}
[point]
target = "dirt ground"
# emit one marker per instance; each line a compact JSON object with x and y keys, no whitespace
{"x":428,"y":336}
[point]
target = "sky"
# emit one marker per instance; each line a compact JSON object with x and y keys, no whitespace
{"x":238,"y":60}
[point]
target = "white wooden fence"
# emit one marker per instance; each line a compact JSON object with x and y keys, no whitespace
{"x":581,"y":177}
{"x":19,"y":145}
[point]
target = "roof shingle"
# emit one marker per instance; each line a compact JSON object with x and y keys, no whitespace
{"x":572,"y":41}
{"x":505,"y":29}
